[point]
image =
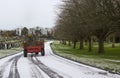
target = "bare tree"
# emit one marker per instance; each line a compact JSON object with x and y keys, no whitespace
{"x":80,"y":19}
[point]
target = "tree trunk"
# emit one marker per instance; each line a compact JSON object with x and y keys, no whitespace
{"x":81,"y":44}
{"x":86,"y":42}
{"x":69,"y":43}
{"x":74,"y":44}
{"x":90,"y":45}
{"x":113,"y":41}
{"x":64,"y":42}
{"x":101,"y":46}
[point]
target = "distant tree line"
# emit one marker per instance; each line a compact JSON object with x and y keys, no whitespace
{"x":9,"y":39}
{"x":86,"y":20}
{"x":8,"y":33}
{"x":37,"y":31}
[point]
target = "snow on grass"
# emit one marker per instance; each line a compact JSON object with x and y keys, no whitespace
{"x":101,"y":61}
{"x":97,"y":62}
{"x":6,"y":52}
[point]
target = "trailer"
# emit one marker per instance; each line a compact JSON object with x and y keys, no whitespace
{"x":31,"y":44}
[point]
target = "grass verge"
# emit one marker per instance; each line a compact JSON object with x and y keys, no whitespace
{"x":7,"y":52}
{"x":109,"y":61}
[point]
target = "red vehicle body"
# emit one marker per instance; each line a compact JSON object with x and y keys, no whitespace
{"x":33,"y":47}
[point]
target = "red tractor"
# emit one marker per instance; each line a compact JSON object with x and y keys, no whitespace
{"x":31,"y":44}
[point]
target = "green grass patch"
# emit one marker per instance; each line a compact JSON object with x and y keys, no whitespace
{"x":110,"y":60}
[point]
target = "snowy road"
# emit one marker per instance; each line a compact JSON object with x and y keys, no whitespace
{"x":48,"y":66}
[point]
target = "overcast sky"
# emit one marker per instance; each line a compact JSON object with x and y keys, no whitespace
{"x":29,"y":13}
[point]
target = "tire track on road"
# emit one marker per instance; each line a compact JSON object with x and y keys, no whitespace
{"x":44,"y":68}
{"x":35,"y":71}
{"x":13,"y":70}
{"x":3,"y":67}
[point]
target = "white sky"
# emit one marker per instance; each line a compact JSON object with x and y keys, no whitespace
{"x":29,"y":13}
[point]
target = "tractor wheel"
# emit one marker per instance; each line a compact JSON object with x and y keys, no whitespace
{"x":36,"y":53}
{"x":25,"y":53}
{"x":42,"y":52}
